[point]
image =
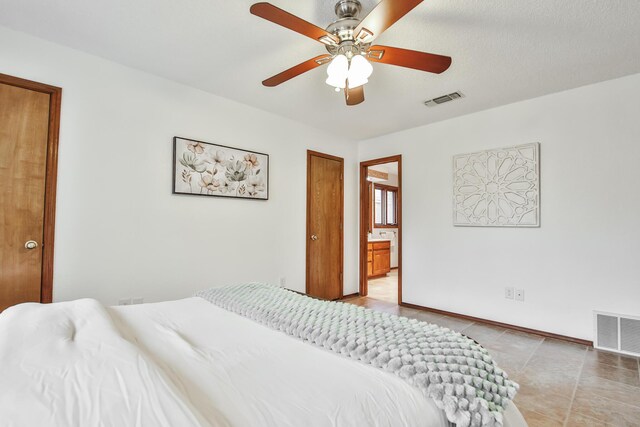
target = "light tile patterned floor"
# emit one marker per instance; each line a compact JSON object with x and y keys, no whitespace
{"x":562,"y":384}
{"x":385,"y":288}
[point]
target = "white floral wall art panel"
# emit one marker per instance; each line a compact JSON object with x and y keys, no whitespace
{"x":205,"y":169}
{"x":497,"y":188}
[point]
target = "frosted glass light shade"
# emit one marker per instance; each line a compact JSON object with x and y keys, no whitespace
{"x":338,"y":72}
{"x":359,"y":71}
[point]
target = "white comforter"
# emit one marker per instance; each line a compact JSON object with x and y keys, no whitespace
{"x":186,"y":363}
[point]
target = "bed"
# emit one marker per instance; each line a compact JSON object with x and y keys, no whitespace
{"x":187,"y":363}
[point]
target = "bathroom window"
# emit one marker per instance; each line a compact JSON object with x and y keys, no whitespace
{"x":385,"y":206}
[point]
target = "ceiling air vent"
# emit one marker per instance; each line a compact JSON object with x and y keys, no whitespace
{"x":442,"y":99}
{"x":615,"y":332}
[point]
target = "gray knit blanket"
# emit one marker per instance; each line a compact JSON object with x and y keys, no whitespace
{"x":448,"y":367}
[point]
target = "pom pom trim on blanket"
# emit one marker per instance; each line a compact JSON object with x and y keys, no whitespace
{"x":456,"y":372}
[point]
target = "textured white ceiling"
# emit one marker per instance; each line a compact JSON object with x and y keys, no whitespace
{"x":503,"y":51}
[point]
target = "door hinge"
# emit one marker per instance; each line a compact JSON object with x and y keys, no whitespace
{"x":341,"y":277}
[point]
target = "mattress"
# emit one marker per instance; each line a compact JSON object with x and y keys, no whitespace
{"x":187,"y":363}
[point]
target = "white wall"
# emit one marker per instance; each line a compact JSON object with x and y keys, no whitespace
{"x":120,"y":232}
{"x":586,"y":254}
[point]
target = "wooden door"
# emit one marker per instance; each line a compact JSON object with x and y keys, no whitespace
{"x":369,"y":201}
{"x":325,"y":212}
{"x":25,"y":165}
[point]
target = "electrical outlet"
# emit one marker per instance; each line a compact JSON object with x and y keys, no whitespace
{"x":519,"y":295}
{"x":508,"y":293}
{"x":137,"y":300}
{"x":283,"y":281}
{"x":124,"y":301}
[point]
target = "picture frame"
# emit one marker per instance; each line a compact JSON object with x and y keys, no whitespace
{"x":498,"y":187}
{"x":207,"y":169}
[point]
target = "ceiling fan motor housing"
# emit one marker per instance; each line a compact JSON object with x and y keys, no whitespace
{"x":348,"y":9}
{"x":347,"y":12}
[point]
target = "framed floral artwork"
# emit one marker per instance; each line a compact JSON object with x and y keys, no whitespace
{"x":205,"y":169}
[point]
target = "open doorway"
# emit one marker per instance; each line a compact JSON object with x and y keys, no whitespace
{"x":381,"y":229}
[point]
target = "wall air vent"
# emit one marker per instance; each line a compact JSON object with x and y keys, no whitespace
{"x":615,"y":332}
{"x":442,"y":99}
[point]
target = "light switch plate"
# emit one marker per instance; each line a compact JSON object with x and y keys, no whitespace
{"x":519,"y":295}
{"x":508,"y":292}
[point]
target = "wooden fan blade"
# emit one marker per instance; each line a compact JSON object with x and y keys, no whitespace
{"x":292,"y":22}
{"x":354,"y":96}
{"x":297,"y":70}
{"x":422,"y":61}
{"x":384,"y":15}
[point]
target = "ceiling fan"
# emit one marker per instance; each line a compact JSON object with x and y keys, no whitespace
{"x":348,"y":41}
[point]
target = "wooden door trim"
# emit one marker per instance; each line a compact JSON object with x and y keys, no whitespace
{"x":311,"y":153}
{"x":51,"y":177}
{"x":365,"y":218}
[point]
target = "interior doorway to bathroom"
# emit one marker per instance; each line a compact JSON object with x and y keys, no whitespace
{"x":381,"y":229}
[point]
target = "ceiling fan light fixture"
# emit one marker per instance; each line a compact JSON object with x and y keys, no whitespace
{"x":348,"y":43}
{"x":338,"y":71}
{"x":359,"y":71}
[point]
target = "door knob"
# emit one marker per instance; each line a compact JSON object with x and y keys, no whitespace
{"x":314,"y":237}
{"x":31,"y":244}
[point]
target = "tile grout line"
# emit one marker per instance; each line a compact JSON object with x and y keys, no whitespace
{"x":575,"y":388}
{"x":529,"y":359}
{"x":482,"y":324}
{"x":532,"y":353}
{"x":619,"y":383}
{"x":608,"y":400}
{"x":501,"y":334}
{"x":466,"y":327}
